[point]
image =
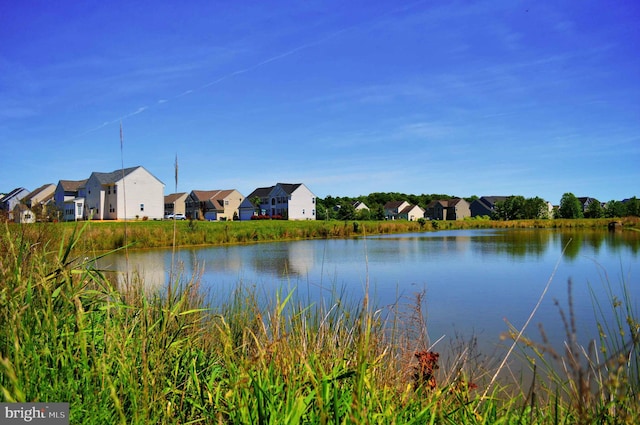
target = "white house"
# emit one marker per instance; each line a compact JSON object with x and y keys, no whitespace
{"x":23,"y":214}
{"x":126,"y":194}
{"x":286,"y":200}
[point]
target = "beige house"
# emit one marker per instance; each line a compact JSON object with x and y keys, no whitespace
{"x":392,"y":209}
{"x":213,"y":205}
{"x":411,"y":213}
{"x":175,"y":203}
{"x":40,"y":196}
{"x":41,"y":202}
{"x":402,"y":210}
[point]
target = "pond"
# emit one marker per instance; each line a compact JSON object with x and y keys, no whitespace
{"x":473,"y":281}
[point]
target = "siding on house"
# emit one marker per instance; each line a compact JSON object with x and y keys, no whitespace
{"x":359,"y":206}
{"x":11,"y":199}
{"x":247,"y":207}
{"x":132,"y":193}
{"x":485,"y":205}
{"x":214,"y":205}
{"x":411,"y":213}
{"x":40,"y":196}
{"x":293,"y":201}
{"x":392,"y":209}
{"x":69,"y":199}
{"x":23,"y":214}
{"x":448,"y":209}
{"x":175,"y":203}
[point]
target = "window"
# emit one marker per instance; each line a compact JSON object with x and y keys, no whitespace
{"x":313,"y":212}
{"x":226,"y":202}
{"x":141,"y":207}
{"x":114,"y":189}
{"x":313,"y":200}
{"x":303,"y":211}
{"x":108,"y":190}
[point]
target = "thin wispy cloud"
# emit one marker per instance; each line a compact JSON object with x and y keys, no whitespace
{"x":419,"y":97}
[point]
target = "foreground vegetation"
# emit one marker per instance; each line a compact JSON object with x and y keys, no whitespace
{"x":120,"y":355}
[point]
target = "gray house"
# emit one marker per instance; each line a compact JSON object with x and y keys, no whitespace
{"x":11,"y":199}
{"x":485,"y":205}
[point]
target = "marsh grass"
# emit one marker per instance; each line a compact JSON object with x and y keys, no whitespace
{"x":119,"y":354}
{"x":108,"y":235}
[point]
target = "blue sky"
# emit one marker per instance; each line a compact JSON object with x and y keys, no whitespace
{"x":498,"y":97}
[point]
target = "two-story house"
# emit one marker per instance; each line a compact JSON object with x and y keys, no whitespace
{"x":291,"y":201}
{"x":213,"y":205}
{"x":175,"y":203}
{"x":448,"y":209}
{"x":485,"y":205}
{"x":402,"y":210}
{"x":36,"y":204}
{"x":126,"y":194}
{"x":69,"y":200}
{"x":11,"y":199}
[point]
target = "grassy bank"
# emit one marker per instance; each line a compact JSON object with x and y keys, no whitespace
{"x":107,"y":235}
{"x":119,"y":355}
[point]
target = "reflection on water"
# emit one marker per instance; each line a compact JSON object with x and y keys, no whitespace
{"x":474,"y":279}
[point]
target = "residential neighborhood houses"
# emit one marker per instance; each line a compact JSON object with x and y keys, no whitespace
{"x":136,"y":194}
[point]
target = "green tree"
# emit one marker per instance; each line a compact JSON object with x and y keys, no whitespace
{"x":535,"y":208}
{"x":614,"y":209}
{"x":510,"y":209}
{"x":633,"y":207}
{"x":363,"y":214}
{"x":570,"y":207}
{"x":346,"y":211}
{"x":594,"y":209}
{"x":377,"y":212}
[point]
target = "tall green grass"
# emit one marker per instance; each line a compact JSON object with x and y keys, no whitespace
{"x":119,"y":354}
{"x":108,"y":235}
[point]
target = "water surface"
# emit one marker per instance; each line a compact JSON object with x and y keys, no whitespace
{"x":474,"y":280}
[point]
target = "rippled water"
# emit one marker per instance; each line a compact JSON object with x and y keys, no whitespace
{"x":473,"y":280}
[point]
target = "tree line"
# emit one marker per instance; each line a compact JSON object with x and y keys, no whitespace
{"x":342,"y":207}
{"x":571,"y":207}
{"x":513,"y":208}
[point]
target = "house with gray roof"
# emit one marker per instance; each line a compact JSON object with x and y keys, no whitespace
{"x":37,"y":205}
{"x":291,"y":201}
{"x":448,"y":209}
{"x":213,"y":205}
{"x":125,"y":194}
{"x":485,"y":205}
{"x":70,"y":199}
{"x":11,"y":199}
